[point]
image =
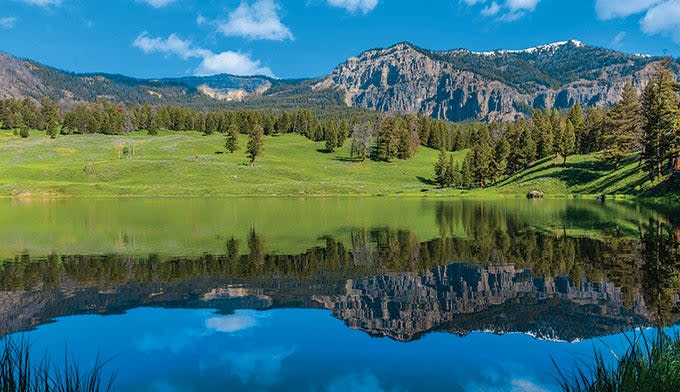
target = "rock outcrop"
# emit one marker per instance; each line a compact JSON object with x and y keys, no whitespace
{"x":500,"y":85}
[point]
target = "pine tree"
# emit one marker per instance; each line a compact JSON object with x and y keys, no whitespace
{"x":331,"y":139}
{"x":660,"y":112}
{"x":623,"y":127}
{"x":577,"y":118}
{"x":255,"y":143}
{"x":232,"y":138}
{"x":591,"y":139}
{"x":482,"y":156}
{"x":543,"y":133}
{"x":450,"y":173}
{"x":501,"y":155}
{"x":440,"y":169}
{"x":566,"y":139}
{"x":466,"y":175}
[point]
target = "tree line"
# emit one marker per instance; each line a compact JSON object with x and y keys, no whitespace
{"x":648,"y":124}
{"x":382,"y":137}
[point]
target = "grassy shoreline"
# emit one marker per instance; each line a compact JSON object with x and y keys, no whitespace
{"x":190,"y":164}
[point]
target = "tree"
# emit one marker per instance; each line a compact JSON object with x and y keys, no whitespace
{"x":50,"y":116}
{"x":331,"y":138}
{"x":450,"y":173}
{"x":543,"y":133}
{"x":577,"y":118}
{"x":623,"y":127}
{"x":440,"y":169}
{"x":660,"y":112}
{"x":482,"y":155}
{"x":232,"y":138}
{"x":566,"y":139}
{"x":593,"y":129}
{"x":501,"y":155}
{"x":362,"y":137}
{"x":255,"y":148}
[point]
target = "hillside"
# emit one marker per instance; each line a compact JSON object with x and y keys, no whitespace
{"x":454,"y":85}
{"x":191,"y":164}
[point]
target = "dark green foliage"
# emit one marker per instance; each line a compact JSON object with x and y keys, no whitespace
{"x":565,"y":139}
{"x":623,"y":127}
{"x":440,"y":169}
{"x":660,"y":124}
{"x":23,"y":132}
{"x":255,"y":143}
{"x":482,"y":156}
{"x":232,"y":138}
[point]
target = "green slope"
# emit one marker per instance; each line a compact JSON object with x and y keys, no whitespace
{"x":586,"y":175}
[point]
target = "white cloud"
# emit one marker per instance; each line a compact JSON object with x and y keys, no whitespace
{"x":157,"y":3}
{"x":618,"y":39}
{"x":610,"y":9}
{"x":660,"y":16}
{"x":7,"y":22}
{"x":508,"y":11}
{"x":519,"y":5}
{"x":664,"y":19}
{"x":257,"y":21}
{"x":211,"y":63}
{"x":491,"y":10}
{"x":42,"y":3}
{"x":364,"y":6}
{"x":230,"y":324}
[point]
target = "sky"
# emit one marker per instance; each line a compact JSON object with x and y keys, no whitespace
{"x":308,"y":38}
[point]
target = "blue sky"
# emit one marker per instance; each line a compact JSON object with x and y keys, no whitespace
{"x":307,"y":38}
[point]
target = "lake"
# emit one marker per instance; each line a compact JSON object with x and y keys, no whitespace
{"x":335,"y":294}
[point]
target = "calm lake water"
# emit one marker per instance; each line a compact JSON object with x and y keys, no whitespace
{"x":347,"y":294}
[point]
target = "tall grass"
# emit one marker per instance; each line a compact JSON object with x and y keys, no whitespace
{"x":649,"y":364}
{"x":18,"y":372}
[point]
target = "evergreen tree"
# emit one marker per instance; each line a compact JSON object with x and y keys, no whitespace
{"x":660,"y":112}
{"x":232,"y":138}
{"x":482,"y":156}
{"x":577,"y":118}
{"x":593,"y":131}
{"x":623,"y":127}
{"x":440,"y":169}
{"x":331,"y":139}
{"x":566,"y":140}
{"x":543,"y":133}
{"x":254,"y":148}
{"x":466,"y":174}
{"x":501,"y":156}
{"x":450,"y":173}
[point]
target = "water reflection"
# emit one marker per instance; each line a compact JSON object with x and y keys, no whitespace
{"x":489,"y":269}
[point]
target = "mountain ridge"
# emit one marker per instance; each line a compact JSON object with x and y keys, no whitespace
{"x":457,"y":84}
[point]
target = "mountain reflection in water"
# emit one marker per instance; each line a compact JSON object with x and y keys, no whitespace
{"x":502,"y":275}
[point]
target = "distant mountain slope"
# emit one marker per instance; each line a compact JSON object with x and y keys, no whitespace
{"x":454,"y":85}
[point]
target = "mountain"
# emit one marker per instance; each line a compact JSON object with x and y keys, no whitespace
{"x":455,"y":85}
{"x":503,"y":84}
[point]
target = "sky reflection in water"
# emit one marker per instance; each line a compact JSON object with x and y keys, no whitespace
{"x":301,"y":349}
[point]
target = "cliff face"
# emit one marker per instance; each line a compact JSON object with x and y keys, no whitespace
{"x":461,"y":299}
{"x":460,"y":84}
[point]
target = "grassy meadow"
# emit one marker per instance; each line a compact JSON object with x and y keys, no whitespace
{"x":192,"y":164}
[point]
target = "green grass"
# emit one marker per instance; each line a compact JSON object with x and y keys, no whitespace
{"x":650,"y":364}
{"x":190,"y":164}
{"x":20,"y":373}
{"x":585,"y":175}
